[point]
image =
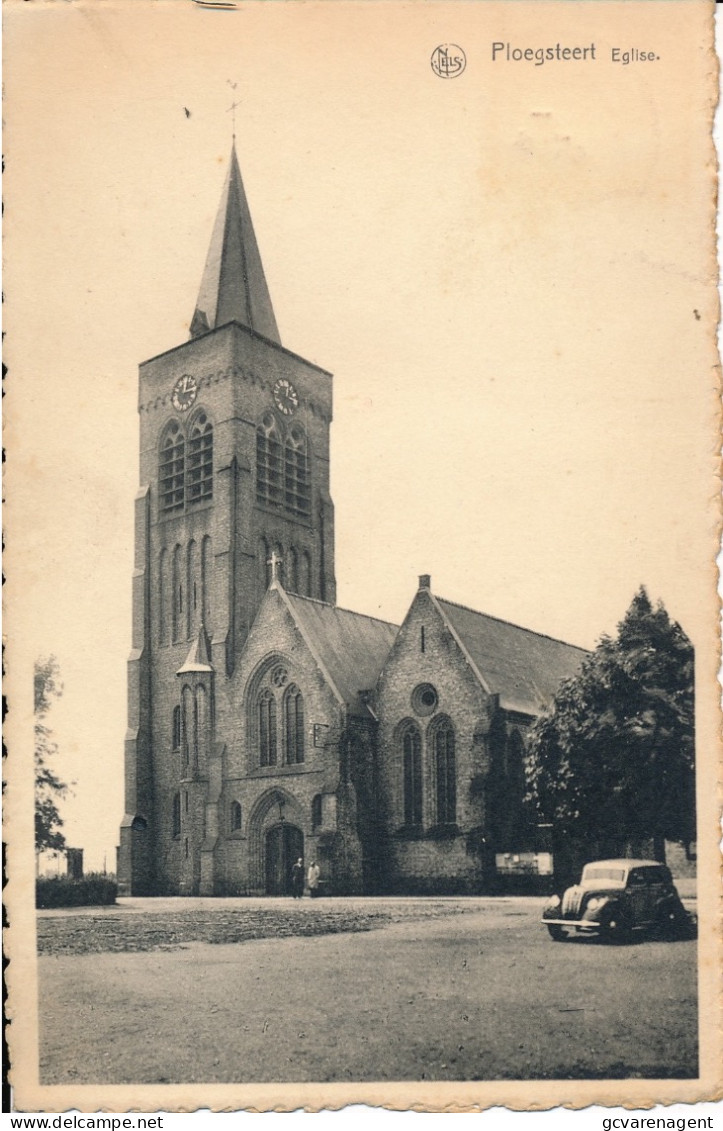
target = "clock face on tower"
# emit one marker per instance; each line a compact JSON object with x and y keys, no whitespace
{"x":184,"y":392}
{"x":285,"y":396}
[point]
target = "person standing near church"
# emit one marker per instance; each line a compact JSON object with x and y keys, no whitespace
{"x":297,"y":879}
{"x":313,"y":879}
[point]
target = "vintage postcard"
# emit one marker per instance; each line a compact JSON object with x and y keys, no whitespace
{"x":362,"y":420}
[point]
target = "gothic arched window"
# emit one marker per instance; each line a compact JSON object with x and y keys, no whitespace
{"x":235,"y":817}
{"x":269,"y":471}
{"x":445,"y":771}
{"x":264,"y":565}
{"x":297,"y":494}
{"x":515,"y":760}
{"x":305,"y":574}
{"x":206,"y":572}
{"x":515,"y":786}
{"x":185,"y":468}
{"x":411,"y":743}
{"x":200,"y":724}
{"x":276,"y":718}
{"x":176,"y":814}
{"x":171,"y":469}
{"x":294,"y":725}
{"x":163,"y":595}
{"x":187,"y":724}
{"x":191,"y":587}
{"x":177,"y":594}
{"x":316,"y":811}
{"x":199,"y":474}
{"x":267,"y":728}
{"x":292,"y":573}
{"x":176,"y":728}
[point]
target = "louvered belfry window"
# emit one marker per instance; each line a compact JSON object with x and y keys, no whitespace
{"x":297,"y":495}
{"x":185,"y":470}
{"x":269,"y":470}
{"x":172,"y":467}
{"x":199,"y":476}
{"x":283,"y":480}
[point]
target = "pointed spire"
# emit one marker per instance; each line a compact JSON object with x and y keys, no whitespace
{"x":198,"y":658}
{"x":233,"y":288}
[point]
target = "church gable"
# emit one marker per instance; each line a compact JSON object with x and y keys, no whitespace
{"x":454,"y":699}
{"x":300,"y":759}
{"x":277,"y":662}
{"x":329,"y":655}
{"x":427,"y":647}
{"x":433,"y":715}
{"x":278,"y":799}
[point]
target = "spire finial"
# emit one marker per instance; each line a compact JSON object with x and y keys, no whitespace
{"x":232,"y":109}
{"x":275,"y":561}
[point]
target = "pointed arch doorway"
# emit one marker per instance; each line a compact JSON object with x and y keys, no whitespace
{"x":284,"y":844}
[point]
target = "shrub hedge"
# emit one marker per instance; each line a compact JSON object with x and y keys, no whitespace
{"x":61,"y":891}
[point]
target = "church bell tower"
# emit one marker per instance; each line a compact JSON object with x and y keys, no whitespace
{"x":234,"y":468}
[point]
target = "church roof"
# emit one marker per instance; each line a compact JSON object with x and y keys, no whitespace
{"x":351,"y":647}
{"x":233,"y":288}
{"x":523,"y":667}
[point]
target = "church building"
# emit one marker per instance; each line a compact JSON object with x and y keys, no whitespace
{"x":265,"y":723}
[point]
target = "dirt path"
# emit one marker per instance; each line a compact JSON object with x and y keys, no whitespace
{"x":481,"y":995}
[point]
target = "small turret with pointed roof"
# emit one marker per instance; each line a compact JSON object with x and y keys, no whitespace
{"x":233,"y":288}
{"x":198,"y":658}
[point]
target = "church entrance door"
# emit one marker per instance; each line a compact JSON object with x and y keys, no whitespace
{"x":284,"y":846}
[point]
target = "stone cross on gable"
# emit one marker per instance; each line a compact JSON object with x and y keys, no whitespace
{"x":275,"y":561}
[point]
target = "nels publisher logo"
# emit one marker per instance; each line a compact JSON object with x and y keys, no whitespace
{"x":448,"y":61}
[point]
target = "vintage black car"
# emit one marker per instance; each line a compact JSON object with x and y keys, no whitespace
{"x":615,"y":898}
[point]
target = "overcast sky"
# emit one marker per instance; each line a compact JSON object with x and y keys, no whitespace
{"x":508,"y":274}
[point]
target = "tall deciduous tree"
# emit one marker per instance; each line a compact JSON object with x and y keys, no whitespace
{"x":613,"y":758}
{"x":49,"y":789}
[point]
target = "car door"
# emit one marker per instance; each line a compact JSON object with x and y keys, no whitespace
{"x":638,"y":894}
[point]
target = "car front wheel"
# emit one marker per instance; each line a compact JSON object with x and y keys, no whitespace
{"x":614,"y":927}
{"x":557,"y":933}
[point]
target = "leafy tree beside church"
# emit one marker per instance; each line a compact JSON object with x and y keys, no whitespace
{"x":612,"y":761}
{"x":49,"y":789}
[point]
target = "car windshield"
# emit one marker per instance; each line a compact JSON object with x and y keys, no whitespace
{"x":604,"y":874}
